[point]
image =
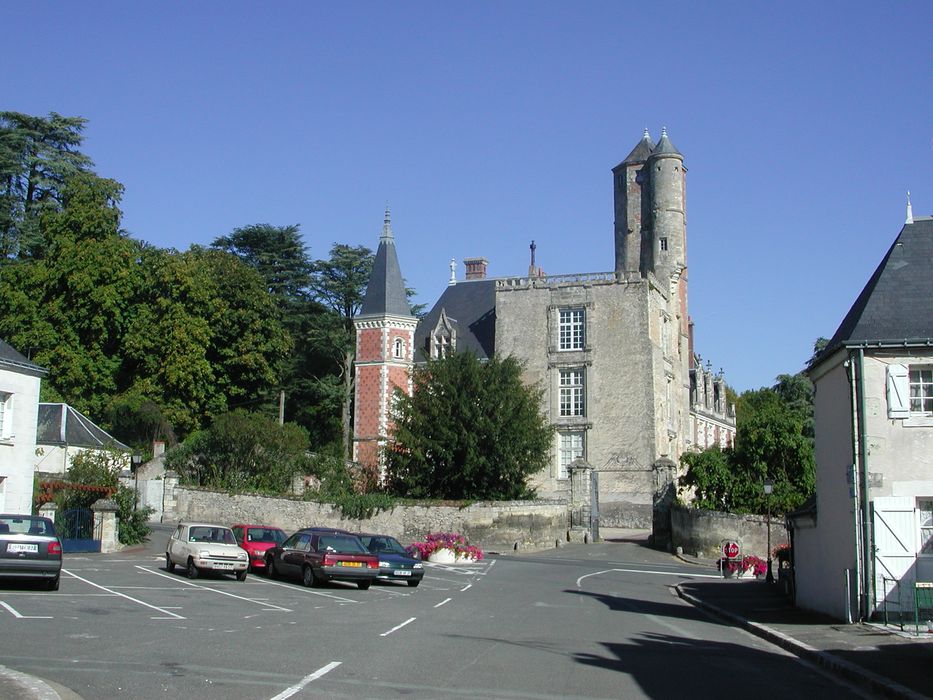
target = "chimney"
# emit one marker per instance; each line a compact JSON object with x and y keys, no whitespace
{"x":158,"y":448}
{"x":475,"y":268}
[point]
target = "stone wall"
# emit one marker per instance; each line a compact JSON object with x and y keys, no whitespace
{"x":701,"y":532}
{"x":500,"y":526}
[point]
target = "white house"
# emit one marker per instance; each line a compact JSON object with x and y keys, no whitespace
{"x":19,"y":398}
{"x":869,"y":536}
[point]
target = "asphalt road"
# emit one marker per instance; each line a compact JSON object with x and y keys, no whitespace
{"x":582,"y":621}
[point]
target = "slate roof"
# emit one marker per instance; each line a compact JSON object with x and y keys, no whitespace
{"x":471,"y":308}
{"x":60,"y":424}
{"x":385,"y":293}
{"x":13,"y":360}
{"x":896,"y":305}
{"x":640,"y":153}
{"x":665,"y":147}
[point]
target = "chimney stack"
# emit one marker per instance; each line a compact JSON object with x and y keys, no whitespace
{"x":475,"y":268}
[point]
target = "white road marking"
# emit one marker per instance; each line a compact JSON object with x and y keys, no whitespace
{"x":123,"y":595}
{"x":310,"y":592}
{"x":288,"y":692}
{"x":398,"y":627}
{"x":469,"y":585}
{"x":271,"y":606}
{"x":645,"y":571}
{"x":24,"y":617}
{"x":443,"y":602}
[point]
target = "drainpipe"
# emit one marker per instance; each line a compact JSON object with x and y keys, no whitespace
{"x":863,"y":463}
{"x":855,"y":498}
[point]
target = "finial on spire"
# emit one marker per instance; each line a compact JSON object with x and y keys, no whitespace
{"x":910,"y":211}
{"x":453,"y":273}
{"x":647,"y":135}
{"x":663,"y":132}
{"x":386,"y":227}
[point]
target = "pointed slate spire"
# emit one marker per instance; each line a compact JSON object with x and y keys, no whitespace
{"x":385,"y":294}
{"x":910,"y":210}
{"x":665,"y":147}
{"x":641,"y":151}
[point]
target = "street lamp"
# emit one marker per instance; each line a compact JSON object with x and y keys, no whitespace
{"x":135,"y":461}
{"x":769,"y":487}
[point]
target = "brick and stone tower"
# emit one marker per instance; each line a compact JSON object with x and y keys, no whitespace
{"x":385,"y":330}
{"x":630,"y":182}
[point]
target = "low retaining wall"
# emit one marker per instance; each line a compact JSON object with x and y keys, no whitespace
{"x":701,"y":532}
{"x":494,"y":526}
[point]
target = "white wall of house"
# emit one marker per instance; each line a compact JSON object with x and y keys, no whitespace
{"x":19,"y":394}
{"x":825,"y":556}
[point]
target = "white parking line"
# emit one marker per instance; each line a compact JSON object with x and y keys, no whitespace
{"x":469,"y":585}
{"x":24,"y":617}
{"x":269,"y":606}
{"x":123,"y":595}
{"x":306,"y":590}
{"x":398,"y":627}
{"x":288,"y":692}
{"x":443,"y":602}
{"x":645,"y":571}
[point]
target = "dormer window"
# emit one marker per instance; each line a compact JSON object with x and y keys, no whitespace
{"x":443,"y":338}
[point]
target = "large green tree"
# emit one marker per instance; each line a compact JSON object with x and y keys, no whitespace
{"x":38,"y":155}
{"x":471,"y":430}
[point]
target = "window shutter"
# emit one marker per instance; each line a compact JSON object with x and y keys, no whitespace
{"x":898,"y":401}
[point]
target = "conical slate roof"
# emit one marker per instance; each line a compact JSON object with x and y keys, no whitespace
{"x":641,"y":151}
{"x":385,"y":293}
{"x":665,"y":147}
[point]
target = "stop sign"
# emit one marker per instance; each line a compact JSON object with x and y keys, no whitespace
{"x":730,"y":549}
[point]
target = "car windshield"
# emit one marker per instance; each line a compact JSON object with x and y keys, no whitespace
{"x":386,"y":545}
{"x":217,"y":535}
{"x":341,"y":544}
{"x":26,"y":525}
{"x":265,"y":534}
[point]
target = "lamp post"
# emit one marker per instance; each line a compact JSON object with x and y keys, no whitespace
{"x":135,"y":460}
{"x":769,"y":487}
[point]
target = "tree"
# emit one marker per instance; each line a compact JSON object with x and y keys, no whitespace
{"x":38,"y":155}
{"x":471,"y":430}
{"x":242,"y":450}
{"x":339,"y":283}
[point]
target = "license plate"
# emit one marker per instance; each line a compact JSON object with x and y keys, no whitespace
{"x":17,"y":547}
{"x":223,"y":565}
{"x":356,"y":564}
{"x":401,"y":572}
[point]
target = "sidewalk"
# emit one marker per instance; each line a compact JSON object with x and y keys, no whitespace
{"x":891,"y":663}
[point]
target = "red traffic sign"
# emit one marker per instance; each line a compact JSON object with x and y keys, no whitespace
{"x":730,"y":549}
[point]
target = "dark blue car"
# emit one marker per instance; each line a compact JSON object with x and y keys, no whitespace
{"x":395,"y":564}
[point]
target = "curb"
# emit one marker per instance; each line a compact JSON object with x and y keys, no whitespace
{"x":884,"y":687}
{"x":29,"y":686}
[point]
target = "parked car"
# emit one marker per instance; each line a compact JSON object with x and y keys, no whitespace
{"x":395,"y":563}
{"x":318,"y":555}
{"x":257,"y":540}
{"x":30,"y":549}
{"x":199,"y":547}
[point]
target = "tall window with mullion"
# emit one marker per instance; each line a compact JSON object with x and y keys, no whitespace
{"x":572,"y":392}
{"x":571,"y":327}
{"x":571,"y":447}
{"x":921,"y":390}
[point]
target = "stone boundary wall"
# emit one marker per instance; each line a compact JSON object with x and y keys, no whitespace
{"x":701,"y":532}
{"x":493,"y":526}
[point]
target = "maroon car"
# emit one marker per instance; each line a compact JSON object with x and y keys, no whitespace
{"x":316,"y":556}
{"x":257,"y":540}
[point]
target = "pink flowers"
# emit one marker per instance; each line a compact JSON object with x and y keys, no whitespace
{"x":446,"y":540}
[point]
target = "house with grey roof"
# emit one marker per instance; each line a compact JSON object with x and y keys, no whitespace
{"x":867,"y":539}
{"x":63,"y":432}
{"x":20,"y":381}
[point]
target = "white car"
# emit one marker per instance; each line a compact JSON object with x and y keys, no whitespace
{"x":201,"y":547}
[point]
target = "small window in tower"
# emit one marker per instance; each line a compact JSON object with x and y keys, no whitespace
{"x":663,"y":243}
{"x":399,"y":349}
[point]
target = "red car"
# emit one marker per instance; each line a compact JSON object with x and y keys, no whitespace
{"x":256,"y":540}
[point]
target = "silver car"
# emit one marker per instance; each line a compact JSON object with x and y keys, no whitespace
{"x":201,"y":547}
{"x":30,"y":549}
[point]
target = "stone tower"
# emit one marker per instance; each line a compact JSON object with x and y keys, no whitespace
{"x":385,"y":330}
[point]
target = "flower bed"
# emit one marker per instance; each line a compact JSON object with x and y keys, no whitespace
{"x":747,"y":567}
{"x":446,"y":547}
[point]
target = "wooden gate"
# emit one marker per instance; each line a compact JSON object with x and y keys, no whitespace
{"x":895,"y":533}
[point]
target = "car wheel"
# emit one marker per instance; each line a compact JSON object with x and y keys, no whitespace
{"x":413,"y":584}
{"x":241,"y":575}
{"x":192,"y":569}
{"x":363,"y":585}
{"x":270,"y":568}
{"x":307,"y":577}
{"x":52,"y":584}
{"x":169,"y":564}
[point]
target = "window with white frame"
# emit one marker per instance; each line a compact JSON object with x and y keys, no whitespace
{"x":6,"y":415}
{"x":441,"y":345}
{"x":572,"y":392}
{"x":570,"y":448}
{"x":926,"y":526}
{"x":921,"y":390}
{"x":398,"y":348}
{"x":570,"y":327}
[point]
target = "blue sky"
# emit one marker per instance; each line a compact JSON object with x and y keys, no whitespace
{"x":486,"y":125}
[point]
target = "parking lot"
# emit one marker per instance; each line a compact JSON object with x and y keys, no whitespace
{"x":122,"y":624}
